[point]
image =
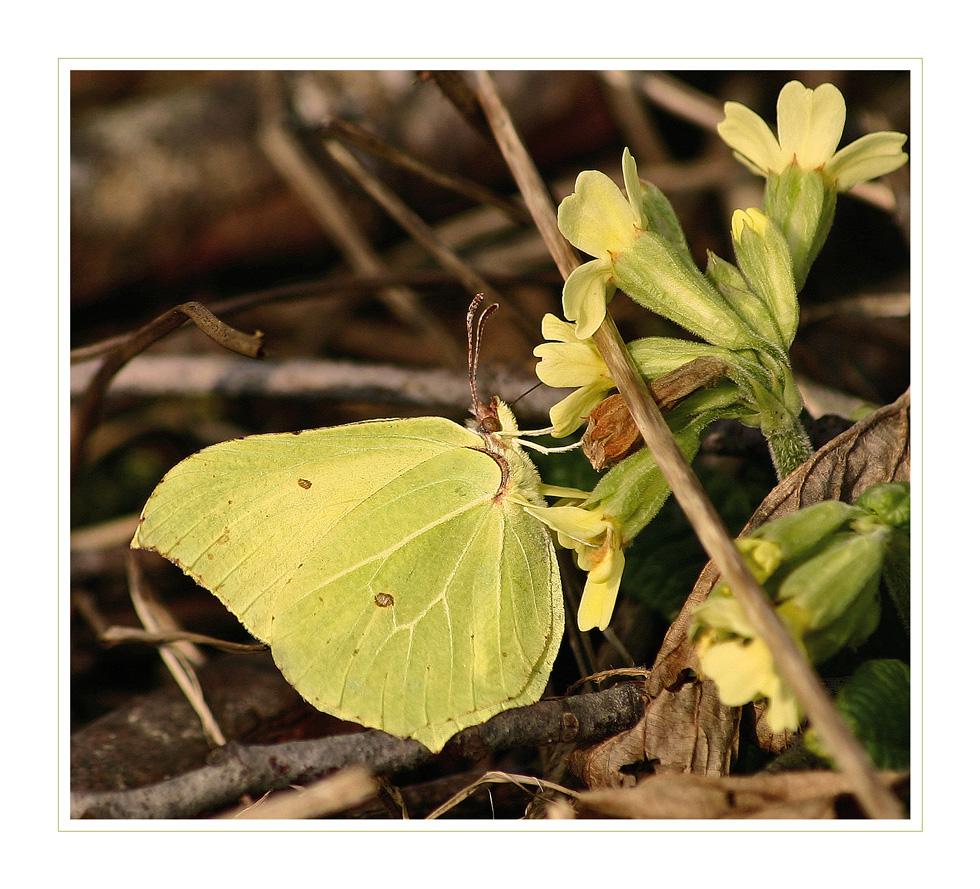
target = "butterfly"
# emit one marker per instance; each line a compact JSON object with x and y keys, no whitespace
{"x":390,"y":565}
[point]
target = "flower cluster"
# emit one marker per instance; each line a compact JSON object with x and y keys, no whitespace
{"x":821,"y":567}
{"x":633,"y":254}
{"x":804,"y":170}
{"x":745,"y":315}
{"x":810,"y":123}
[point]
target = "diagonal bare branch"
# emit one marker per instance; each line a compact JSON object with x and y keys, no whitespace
{"x":875,"y":797}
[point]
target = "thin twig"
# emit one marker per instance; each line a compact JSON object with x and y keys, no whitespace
{"x":110,"y":635}
{"x":179,"y":657}
{"x":357,"y":137}
{"x":875,"y":797}
{"x":522,"y":781}
{"x":865,"y":305}
{"x":431,"y":388}
{"x":455,"y":88}
{"x":332,"y":287}
{"x":106,"y":535}
{"x":117,"y":635}
{"x":682,"y":99}
{"x":346,"y":789}
{"x":617,"y":673}
{"x":289,"y":157}
{"x":123,"y":351}
{"x":409,"y":220}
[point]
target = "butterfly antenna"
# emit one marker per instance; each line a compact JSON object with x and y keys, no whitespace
{"x":484,"y":413}
{"x":525,"y":393}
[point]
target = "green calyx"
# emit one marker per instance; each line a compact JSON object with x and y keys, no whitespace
{"x":655,"y":275}
{"x":802,"y":204}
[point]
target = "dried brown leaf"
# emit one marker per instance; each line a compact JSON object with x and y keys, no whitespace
{"x":782,"y":795}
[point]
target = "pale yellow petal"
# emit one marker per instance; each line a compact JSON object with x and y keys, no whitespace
{"x":751,"y":139}
{"x":557,"y":329}
{"x":784,"y":712}
{"x":739,"y":669}
{"x":866,"y":158}
{"x":583,"y":525}
{"x":810,"y":123}
{"x":610,"y":567}
{"x":573,"y":410}
{"x":582,"y":551}
{"x":585,"y":296}
{"x":566,"y":365}
{"x":599,"y":596}
{"x":597,"y":218}
{"x":721,"y":612}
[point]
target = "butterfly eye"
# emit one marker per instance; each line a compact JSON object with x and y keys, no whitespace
{"x":490,"y":423}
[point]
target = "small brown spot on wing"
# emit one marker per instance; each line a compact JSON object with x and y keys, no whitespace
{"x":305,"y":483}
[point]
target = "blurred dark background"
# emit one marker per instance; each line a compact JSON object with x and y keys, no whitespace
{"x":175,"y":196}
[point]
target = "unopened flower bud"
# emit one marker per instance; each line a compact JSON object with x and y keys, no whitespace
{"x":764,"y":259}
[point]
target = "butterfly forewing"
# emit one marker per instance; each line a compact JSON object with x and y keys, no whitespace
{"x":393,"y":586}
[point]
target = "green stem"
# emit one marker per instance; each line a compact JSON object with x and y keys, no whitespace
{"x":789,"y":445}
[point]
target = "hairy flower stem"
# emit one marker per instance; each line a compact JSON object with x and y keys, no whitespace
{"x":789,"y":446}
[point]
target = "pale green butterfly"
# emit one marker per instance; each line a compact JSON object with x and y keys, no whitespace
{"x":390,"y":565}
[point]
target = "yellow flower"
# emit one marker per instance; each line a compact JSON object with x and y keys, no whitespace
{"x":740,"y":664}
{"x":598,"y":548}
{"x":654,"y":269}
{"x":569,"y":361}
{"x":598,"y":220}
{"x":810,"y":124}
{"x":605,"y":565}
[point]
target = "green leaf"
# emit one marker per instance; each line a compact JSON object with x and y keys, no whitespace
{"x":661,"y":218}
{"x":876,"y":703}
{"x":665,"y":559}
{"x":897,"y":572}
{"x":390,"y":566}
